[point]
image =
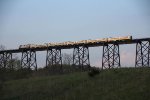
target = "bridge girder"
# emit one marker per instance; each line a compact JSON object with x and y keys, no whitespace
{"x":111,"y":56}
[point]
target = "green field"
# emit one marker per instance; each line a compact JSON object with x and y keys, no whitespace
{"x":113,"y":84}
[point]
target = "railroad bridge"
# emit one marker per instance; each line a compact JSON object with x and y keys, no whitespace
{"x":110,"y":57}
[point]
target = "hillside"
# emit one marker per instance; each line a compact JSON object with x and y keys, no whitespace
{"x":114,"y":84}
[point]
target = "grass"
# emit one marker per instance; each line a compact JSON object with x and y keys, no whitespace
{"x":113,"y":84}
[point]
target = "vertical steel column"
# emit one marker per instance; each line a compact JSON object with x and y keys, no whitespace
{"x":76,"y":57}
{"x":142,"y":54}
{"x":49,"y":57}
{"x":105,"y":57}
{"x":81,"y":57}
{"x":8,"y":60}
{"x":28,"y":60}
{"x":32,"y":60}
{"x":25,"y":59}
{"x":85,"y":57}
{"x":58,"y":58}
{"x":111,"y":56}
{"x":116,"y":57}
{"x":1,"y":60}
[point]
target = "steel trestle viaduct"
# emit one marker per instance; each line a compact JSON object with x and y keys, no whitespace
{"x":110,"y":56}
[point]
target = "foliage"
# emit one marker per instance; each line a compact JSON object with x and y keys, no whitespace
{"x":20,"y":73}
{"x":7,"y":74}
{"x":2,"y":47}
{"x":93,"y":71}
{"x":113,"y":84}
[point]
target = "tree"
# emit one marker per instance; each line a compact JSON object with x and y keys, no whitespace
{"x":2,"y":47}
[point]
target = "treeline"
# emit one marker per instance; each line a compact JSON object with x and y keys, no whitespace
{"x":13,"y":74}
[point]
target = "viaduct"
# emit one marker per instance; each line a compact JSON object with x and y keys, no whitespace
{"x":110,"y":57}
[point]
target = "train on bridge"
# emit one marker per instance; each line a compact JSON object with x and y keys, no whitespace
{"x":103,"y":40}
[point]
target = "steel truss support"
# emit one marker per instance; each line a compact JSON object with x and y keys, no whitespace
{"x":28,"y":60}
{"x":81,"y":57}
{"x":53,"y":57}
{"x":142,"y":54}
{"x":6,"y":60}
{"x":111,"y":56}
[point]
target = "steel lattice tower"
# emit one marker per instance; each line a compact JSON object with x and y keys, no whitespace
{"x":81,"y":57}
{"x":142,"y":54}
{"x":111,"y":56}
{"x":6,"y":60}
{"x":28,"y":60}
{"x":53,"y":58}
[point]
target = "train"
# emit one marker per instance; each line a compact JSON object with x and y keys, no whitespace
{"x":103,"y":40}
{"x":27,"y":46}
{"x":120,"y":38}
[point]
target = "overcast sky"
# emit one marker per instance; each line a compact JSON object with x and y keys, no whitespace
{"x":42,"y":21}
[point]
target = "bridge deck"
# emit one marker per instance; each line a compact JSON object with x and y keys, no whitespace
{"x":81,"y":44}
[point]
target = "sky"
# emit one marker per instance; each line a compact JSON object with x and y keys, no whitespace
{"x":43,"y":21}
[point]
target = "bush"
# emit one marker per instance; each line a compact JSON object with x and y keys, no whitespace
{"x":6,"y":74}
{"x":93,"y":72}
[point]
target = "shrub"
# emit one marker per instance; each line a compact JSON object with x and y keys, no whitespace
{"x":93,"y":72}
